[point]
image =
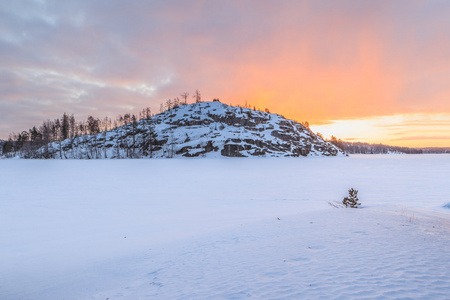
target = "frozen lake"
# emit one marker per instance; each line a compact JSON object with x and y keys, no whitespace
{"x":72,"y":228}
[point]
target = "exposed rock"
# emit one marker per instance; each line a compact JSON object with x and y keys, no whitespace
{"x":232,"y":150}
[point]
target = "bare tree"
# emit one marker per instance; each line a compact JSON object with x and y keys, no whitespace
{"x":106,"y":124}
{"x":184,"y":96}
{"x":126,"y":119}
{"x":197,"y":96}
{"x":169,"y":104}
{"x":176,"y":102}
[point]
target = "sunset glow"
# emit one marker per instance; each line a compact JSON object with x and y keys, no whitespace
{"x":410,"y":130}
{"x":372,"y":71}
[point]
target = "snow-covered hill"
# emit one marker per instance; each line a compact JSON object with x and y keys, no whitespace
{"x":207,"y":129}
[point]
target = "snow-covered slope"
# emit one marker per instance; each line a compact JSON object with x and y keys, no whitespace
{"x":209,"y":129}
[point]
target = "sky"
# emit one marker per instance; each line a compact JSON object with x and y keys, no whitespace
{"x":370,"y":71}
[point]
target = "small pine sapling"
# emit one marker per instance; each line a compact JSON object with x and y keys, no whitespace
{"x":352,"y":199}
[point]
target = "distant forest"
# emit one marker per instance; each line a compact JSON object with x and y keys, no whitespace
{"x":436,"y":150}
{"x":366,"y":148}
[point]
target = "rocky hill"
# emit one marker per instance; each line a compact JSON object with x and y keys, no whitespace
{"x":207,"y":129}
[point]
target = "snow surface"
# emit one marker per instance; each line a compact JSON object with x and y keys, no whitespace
{"x":225,"y":228}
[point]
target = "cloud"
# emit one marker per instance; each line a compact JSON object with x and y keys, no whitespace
{"x":354,"y":139}
{"x":420,"y":138}
{"x":309,"y":60}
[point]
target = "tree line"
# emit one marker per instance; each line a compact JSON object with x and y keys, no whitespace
{"x":366,"y":148}
{"x":67,"y":127}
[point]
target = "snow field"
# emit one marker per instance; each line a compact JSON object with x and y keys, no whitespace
{"x":209,"y":229}
{"x":306,"y":256}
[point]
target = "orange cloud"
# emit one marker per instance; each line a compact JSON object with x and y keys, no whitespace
{"x":299,"y":84}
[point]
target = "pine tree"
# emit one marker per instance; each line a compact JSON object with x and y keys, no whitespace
{"x":65,"y":127}
{"x":352,"y":199}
